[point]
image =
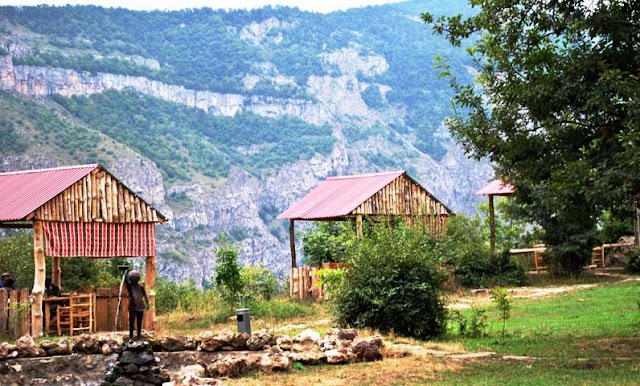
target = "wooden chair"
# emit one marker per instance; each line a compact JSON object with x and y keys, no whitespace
{"x":63,"y":320}
{"x":538,"y":256}
{"x":81,"y":313}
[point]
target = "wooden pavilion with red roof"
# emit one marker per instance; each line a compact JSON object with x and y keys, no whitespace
{"x":78,"y":211}
{"x":376,"y":196}
{"x":495,"y":188}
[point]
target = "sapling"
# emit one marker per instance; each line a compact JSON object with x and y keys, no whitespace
{"x":503,"y":303}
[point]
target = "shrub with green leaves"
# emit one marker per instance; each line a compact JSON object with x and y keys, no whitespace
{"x":392,"y":284}
{"x":259,"y":282}
{"x":466,"y":253}
{"x":632,"y":261}
{"x":326,"y":243}
{"x":228,"y":279}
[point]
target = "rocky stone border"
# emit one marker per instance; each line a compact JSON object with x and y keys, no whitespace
{"x":222,"y":354}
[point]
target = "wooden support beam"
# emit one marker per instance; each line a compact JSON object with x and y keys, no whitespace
{"x":492,"y":225}
{"x":6,"y":225}
{"x":636,"y":223}
{"x":150,"y":287}
{"x":56,"y":273}
{"x":38,"y":281}
{"x":359,"y":226}
{"x":292,"y":244}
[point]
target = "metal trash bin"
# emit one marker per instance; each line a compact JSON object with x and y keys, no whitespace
{"x":243,"y":315}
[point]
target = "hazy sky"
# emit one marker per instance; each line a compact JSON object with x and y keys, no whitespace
{"x":309,"y":5}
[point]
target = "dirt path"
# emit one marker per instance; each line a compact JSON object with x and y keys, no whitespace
{"x":481,"y":297}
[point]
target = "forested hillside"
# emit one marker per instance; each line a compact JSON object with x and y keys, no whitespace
{"x":239,"y":113}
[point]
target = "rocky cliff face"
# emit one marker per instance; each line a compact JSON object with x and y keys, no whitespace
{"x":205,"y":209}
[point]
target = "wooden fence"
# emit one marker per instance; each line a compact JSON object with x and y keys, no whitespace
{"x":303,"y":282}
{"x":15,"y":318}
{"x":15,"y":315}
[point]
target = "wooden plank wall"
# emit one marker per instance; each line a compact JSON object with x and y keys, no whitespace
{"x":404,"y":198}
{"x":401,"y":197}
{"x":303,"y":283}
{"x":15,"y":315}
{"x":98,"y":197}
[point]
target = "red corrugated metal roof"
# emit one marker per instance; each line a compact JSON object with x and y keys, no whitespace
{"x":25,"y":191}
{"x":338,"y":196}
{"x":497,"y":188}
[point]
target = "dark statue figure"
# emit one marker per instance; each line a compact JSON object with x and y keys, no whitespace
{"x":138,"y":302}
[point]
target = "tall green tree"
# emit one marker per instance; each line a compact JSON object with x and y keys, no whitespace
{"x":555,"y":107}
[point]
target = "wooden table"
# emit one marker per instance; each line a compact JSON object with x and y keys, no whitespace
{"x":536,"y":250}
{"x":47,"y":303}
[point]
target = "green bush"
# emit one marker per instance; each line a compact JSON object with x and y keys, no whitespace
{"x":473,"y":327}
{"x":228,"y":280}
{"x":326,"y":243}
{"x":467,"y":255}
{"x":259,"y":283}
{"x":632,"y":261}
{"x":392,"y":284}
{"x":280,"y":309}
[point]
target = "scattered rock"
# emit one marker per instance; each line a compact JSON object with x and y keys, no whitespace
{"x":87,"y":344}
{"x":340,"y":356}
{"x":223,"y":340}
{"x":367,"y":352}
{"x":284,"y":342}
{"x":274,"y":360}
{"x":228,"y":365}
{"x":56,"y":348}
{"x":175,"y":343}
{"x":27,"y":347}
{"x":260,"y":339}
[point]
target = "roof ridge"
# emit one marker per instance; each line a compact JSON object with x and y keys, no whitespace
{"x":366,"y":175}
{"x":50,"y":169}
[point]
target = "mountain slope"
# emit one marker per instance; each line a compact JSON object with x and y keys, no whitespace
{"x":234,"y":115}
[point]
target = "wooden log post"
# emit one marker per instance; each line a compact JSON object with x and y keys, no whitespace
{"x":38,"y":281}
{"x":56,"y":272}
{"x":150,"y":287}
{"x":636,"y":223}
{"x":492,"y":225}
{"x":359,"y":226}
{"x":292,"y":244}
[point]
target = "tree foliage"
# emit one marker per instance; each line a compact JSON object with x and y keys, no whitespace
{"x":555,"y":108}
{"x":16,"y":256}
{"x":326,"y":243}
{"x":228,"y":279}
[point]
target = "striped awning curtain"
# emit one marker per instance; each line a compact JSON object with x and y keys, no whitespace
{"x":98,"y":239}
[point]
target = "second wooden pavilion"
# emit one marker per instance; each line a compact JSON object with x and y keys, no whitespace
{"x":379,"y":195}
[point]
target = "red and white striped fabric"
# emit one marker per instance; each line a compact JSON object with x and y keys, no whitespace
{"x":96,"y":239}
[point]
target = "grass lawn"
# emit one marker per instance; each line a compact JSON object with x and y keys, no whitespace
{"x":583,"y":337}
{"x":599,"y":322}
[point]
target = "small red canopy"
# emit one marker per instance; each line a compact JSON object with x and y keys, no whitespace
{"x":497,"y":188}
